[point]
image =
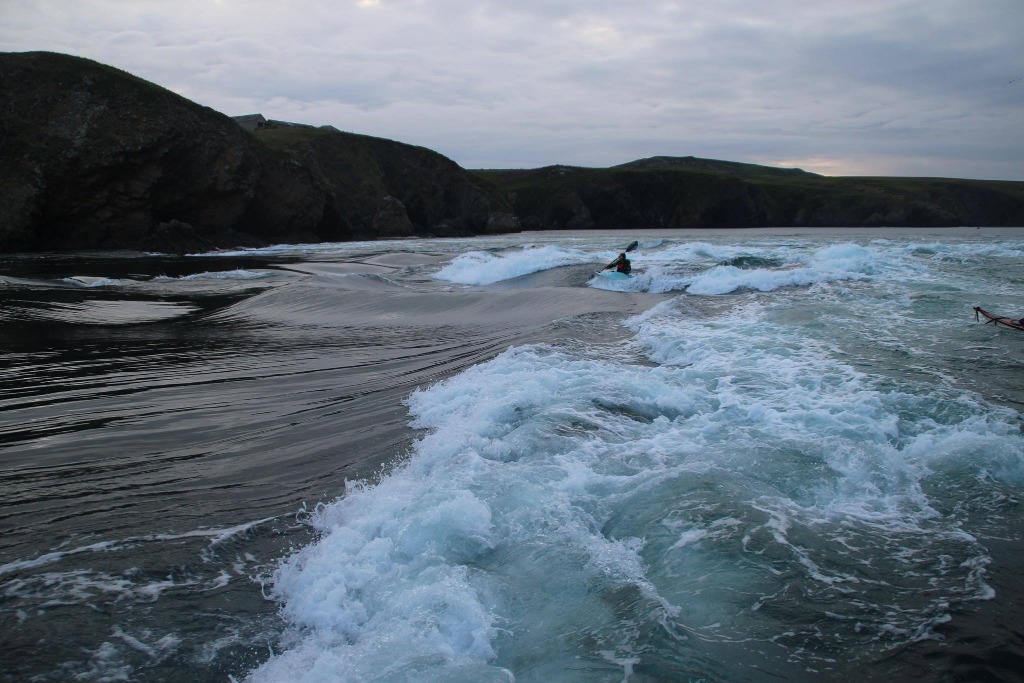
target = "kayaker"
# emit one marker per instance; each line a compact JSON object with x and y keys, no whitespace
{"x":620,"y":264}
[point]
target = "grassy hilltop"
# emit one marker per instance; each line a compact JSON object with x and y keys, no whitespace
{"x":687,"y":192}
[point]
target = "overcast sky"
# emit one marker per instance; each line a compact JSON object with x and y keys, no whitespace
{"x":857,"y":87}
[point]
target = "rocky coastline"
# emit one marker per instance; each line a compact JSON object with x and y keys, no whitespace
{"x":96,"y":158}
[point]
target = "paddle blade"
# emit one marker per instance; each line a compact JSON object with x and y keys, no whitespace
{"x":632,"y":246}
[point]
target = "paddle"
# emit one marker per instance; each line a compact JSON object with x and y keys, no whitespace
{"x":632,"y":245}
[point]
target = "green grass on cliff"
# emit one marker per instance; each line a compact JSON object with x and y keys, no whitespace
{"x":67,"y":73}
{"x":690,"y":163}
{"x":560,"y":177}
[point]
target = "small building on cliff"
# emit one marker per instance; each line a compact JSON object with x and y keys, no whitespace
{"x":251,"y":122}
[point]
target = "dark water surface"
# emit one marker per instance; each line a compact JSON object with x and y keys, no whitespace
{"x":163,"y":420}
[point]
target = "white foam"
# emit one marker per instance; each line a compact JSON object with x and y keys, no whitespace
{"x":508,"y":496}
{"x":836,"y":262}
{"x":961,"y":252}
{"x":710,"y":269}
{"x":715,"y":269}
{"x":320,"y":249}
{"x":327,"y":250}
{"x":483,"y":268}
{"x":106,"y":663}
{"x":539,"y":450}
{"x":82,"y":586}
{"x":92,"y":281}
{"x":48,"y":558}
{"x":499,"y":517}
{"x":556,"y":493}
{"x":216,"y":536}
{"x":702,"y":252}
{"x":237,"y":274}
{"x":402,"y":575}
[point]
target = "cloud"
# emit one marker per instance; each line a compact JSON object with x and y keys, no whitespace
{"x":875,"y":86}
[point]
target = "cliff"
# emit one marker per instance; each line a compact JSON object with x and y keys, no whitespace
{"x":94,"y":158}
{"x":382,"y":188}
{"x":685,"y":192}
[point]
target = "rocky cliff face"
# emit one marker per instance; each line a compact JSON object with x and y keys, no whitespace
{"x":384,"y":188}
{"x":94,"y":158}
{"x":667,"y":192}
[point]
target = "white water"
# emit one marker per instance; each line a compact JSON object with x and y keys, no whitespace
{"x":739,"y":484}
{"x":484,"y":268}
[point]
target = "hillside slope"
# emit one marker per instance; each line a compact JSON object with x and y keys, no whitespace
{"x":94,"y":158}
{"x":685,"y":192}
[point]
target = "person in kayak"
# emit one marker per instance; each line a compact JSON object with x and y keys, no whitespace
{"x":620,"y":264}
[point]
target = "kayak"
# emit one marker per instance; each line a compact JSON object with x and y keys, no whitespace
{"x":1016,"y":324}
{"x":614,"y":274}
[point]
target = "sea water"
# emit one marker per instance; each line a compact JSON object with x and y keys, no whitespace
{"x":771,"y":455}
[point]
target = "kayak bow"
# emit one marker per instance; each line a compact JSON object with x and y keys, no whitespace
{"x":998,"y":320}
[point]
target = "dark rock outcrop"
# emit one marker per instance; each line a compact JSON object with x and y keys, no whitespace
{"x":94,"y":158}
{"x":359,"y":172}
{"x":500,"y":222}
{"x":391,"y":219}
{"x":666,"y":192}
